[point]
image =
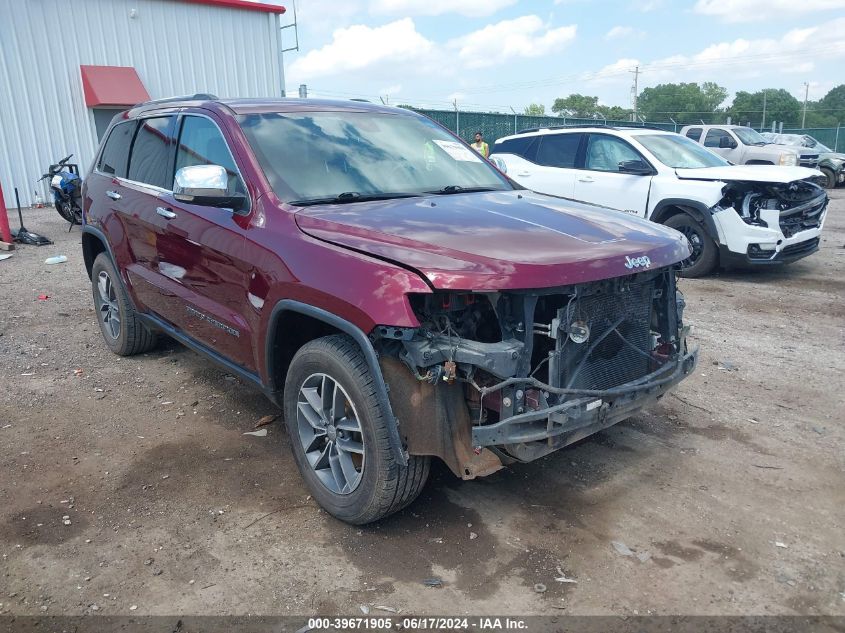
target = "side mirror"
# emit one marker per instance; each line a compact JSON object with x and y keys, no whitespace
{"x":635,"y":167}
{"x":206,"y":185}
{"x":726,"y":142}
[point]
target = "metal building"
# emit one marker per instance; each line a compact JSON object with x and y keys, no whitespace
{"x":66,"y":68}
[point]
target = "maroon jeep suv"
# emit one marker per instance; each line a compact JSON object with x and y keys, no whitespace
{"x":386,"y":286}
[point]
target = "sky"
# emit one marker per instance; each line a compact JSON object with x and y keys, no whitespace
{"x":503,"y":54}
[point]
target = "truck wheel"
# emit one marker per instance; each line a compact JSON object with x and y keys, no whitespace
{"x":830,"y":178}
{"x":339,"y":434}
{"x":123,"y":332}
{"x":705,"y":254}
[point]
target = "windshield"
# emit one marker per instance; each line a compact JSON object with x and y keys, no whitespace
{"x":312,"y":157}
{"x":748,"y":136}
{"x":679,"y":152}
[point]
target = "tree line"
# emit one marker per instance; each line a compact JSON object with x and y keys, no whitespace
{"x":692,"y":103}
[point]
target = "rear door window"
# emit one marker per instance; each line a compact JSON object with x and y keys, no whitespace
{"x":151,"y":160}
{"x":202,"y":143}
{"x":558,"y":150}
{"x":524,"y":146}
{"x":694,"y":133}
{"x":115,"y":157}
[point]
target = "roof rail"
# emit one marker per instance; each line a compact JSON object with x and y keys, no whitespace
{"x":200,"y":96}
{"x":560,"y":127}
{"x":592,"y":125}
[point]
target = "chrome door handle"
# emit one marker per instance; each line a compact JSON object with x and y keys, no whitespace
{"x":523,"y":174}
{"x":165,"y":213}
{"x":585,"y":179}
{"x":113,"y":195}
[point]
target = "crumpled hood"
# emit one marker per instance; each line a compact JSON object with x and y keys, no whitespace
{"x":498,"y":240}
{"x":749,"y":173}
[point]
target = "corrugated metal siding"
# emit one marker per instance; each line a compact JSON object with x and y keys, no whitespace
{"x":177,"y":48}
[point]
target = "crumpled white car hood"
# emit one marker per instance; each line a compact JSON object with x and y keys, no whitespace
{"x":749,"y":173}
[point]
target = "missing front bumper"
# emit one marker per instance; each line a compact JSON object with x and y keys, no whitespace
{"x":531,"y":435}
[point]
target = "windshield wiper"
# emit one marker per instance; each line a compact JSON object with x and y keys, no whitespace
{"x":351,"y":196}
{"x":448,"y":189}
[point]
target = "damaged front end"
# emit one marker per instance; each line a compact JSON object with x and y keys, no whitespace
{"x":489,"y":378}
{"x":771,"y":222}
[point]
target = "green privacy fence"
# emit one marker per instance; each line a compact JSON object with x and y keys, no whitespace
{"x":833,"y":137}
{"x":495,"y":125}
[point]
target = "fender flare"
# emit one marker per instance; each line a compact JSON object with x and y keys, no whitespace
{"x":370,"y":355}
{"x":97,"y":233}
{"x":697,"y":210}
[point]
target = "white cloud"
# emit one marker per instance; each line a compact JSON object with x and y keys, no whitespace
{"x":469,"y":8}
{"x":391,"y":90}
{"x":755,"y":10}
{"x":621,"y":32}
{"x":526,"y":36}
{"x":359,"y":46}
{"x":792,"y":53}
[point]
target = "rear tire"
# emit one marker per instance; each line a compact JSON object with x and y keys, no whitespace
{"x":830,"y":178}
{"x":705,"y":253}
{"x":122,"y":330}
{"x":345,"y":456}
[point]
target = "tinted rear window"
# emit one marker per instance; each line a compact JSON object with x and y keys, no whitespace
{"x":694,"y":133}
{"x":521,"y":146}
{"x":558,"y":150}
{"x":151,"y":161}
{"x":115,"y":156}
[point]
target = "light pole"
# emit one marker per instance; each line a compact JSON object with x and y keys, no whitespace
{"x":804,"y":115}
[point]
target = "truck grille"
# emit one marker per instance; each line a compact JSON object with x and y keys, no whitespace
{"x":605,"y":360}
{"x":805,"y":216}
{"x":808,"y":160}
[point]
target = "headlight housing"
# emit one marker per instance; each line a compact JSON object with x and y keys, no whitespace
{"x":788,"y":159}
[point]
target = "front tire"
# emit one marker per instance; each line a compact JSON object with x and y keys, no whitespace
{"x":830,"y":178}
{"x":339,"y":434}
{"x":705,"y":254}
{"x":122,"y":330}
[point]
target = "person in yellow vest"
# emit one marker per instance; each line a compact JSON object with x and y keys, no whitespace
{"x":480,"y":146}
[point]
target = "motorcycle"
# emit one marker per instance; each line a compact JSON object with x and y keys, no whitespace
{"x":66,"y":186}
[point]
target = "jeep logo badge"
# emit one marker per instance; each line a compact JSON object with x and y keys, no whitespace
{"x":637,"y":262}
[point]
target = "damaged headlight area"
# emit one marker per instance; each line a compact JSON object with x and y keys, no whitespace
{"x":793,"y":207}
{"x":537,"y":370}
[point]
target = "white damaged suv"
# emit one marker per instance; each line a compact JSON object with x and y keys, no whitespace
{"x":732,"y":215}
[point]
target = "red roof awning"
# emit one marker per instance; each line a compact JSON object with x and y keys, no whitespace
{"x":112,"y":86}
{"x":249,"y":5}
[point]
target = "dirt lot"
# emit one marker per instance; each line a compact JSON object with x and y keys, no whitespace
{"x":729,"y":493}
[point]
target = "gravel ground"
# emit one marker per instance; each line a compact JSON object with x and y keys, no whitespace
{"x":128,"y":485}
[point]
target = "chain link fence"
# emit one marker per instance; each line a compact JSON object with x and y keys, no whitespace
{"x":495,"y":125}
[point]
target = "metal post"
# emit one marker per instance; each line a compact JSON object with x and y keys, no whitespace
{"x":303,"y":91}
{"x":806,"y":93}
{"x":514,"y":119}
{"x":674,"y":123}
{"x":457,"y":118}
{"x":763,"y":124}
{"x":835,"y":143}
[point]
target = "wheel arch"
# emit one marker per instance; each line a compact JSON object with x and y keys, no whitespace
{"x":669,"y":207}
{"x":306,"y":323}
{"x":93,"y":243}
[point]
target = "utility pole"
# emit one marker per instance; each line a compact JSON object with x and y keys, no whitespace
{"x":634,"y":90}
{"x":806,"y":94}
